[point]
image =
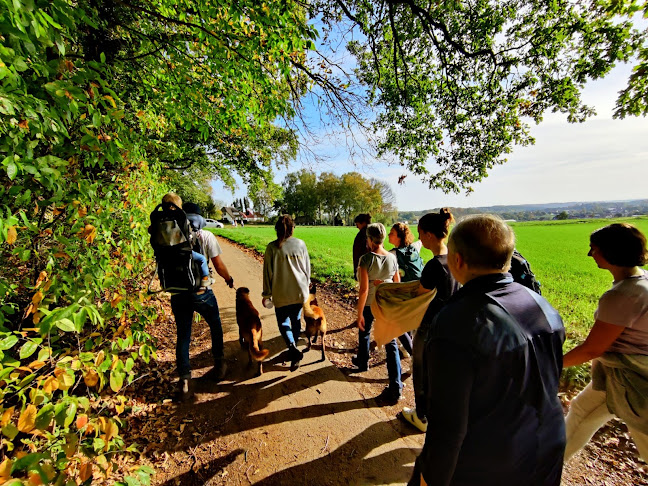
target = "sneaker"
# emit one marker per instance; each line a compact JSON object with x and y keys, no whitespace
{"x":410,"y":416}
{"x":217,"y":373}
{"x":185,"y":391}
{"x":389,"y":396}
{"x":204,"y":282}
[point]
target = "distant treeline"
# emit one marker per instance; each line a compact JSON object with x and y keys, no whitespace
{"x":550,"y":211}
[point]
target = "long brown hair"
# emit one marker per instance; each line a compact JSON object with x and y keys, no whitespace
{"x":404,"y":234}
{"x":437,"y":223}
{"x":284,"y":228}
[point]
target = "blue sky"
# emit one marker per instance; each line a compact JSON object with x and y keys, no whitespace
{"x":599,"y":160}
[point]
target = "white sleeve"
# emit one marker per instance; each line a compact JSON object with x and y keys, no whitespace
{"x":418,"y":244}
{"x":210,"y":246}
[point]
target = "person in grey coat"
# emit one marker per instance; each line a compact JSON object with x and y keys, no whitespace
{"x":286,"y":279}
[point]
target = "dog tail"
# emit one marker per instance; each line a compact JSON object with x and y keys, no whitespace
{"x":257,"y":353}
{"x":308,"y":310}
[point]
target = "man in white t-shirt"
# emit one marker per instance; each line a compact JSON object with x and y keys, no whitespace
{"x":204,"y":302}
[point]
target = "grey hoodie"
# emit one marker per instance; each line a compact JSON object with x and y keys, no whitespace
{"x":286,"y":272}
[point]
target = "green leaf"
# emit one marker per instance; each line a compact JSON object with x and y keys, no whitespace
{"x":44,"y":417}
{"x":8,"y":342}
{"x":12,"y":171}
{"x":131,"y":481}
{"x":65,"y":325}
{"x":117,"y":376}
{"x":10,"y":431}
{"x":28,"y":349}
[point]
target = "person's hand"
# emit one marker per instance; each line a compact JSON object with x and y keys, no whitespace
{"x":377,"y":282}
{"x":361,"y":323}
{"x":230,"y":282}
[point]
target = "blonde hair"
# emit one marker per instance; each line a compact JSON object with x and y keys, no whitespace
{"x":484,"y":241}
{"x":376,"y":233}
{"x":172,"y":197}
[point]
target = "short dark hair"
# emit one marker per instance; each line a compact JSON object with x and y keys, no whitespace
{"x":484,"y":241}
{"x":362,"y":218}
{"x":437,"y":223}
{"x":621,"y":244}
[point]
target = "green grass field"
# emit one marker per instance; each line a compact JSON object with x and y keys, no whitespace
{"x":557,"y":251}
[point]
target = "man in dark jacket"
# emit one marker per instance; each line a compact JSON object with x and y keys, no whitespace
{"x":361,"y":221}
{"x":494,"y":357}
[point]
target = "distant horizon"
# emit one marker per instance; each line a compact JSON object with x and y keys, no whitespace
{"x":526,"y":204}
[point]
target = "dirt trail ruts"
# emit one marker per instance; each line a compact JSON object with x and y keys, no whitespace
{"x":317,"y":425}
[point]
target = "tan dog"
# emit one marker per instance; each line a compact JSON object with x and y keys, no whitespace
{"x":249,"y":324}
{"x":315,"y":320}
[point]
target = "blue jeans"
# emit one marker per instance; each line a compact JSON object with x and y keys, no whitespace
{"x":183,"y":306}
{"x":289,"y":320}
{"x":393,"y":358}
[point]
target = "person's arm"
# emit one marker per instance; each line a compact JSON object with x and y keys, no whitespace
{"x":597,"y":342}
{"x":449,"y":385}
{"x":422,"y":290}
{"x":267,"y":272}
{"x":363,"y":293}
{"x":396,"y":277}
{"x":221,"y":269}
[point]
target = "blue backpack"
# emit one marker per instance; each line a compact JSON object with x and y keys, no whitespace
{"x":410,"y":262}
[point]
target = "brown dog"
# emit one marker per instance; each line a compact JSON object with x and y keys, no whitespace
{"x":315,"y":320}
{"x":250,"y":331}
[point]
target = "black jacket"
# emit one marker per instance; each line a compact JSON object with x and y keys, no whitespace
{"x":493,"y":358}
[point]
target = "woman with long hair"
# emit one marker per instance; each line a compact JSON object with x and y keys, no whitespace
{"x":286,"y":278}
{"x":410,"y":264}
{"x":433,"y":230}
{"x":618,"y":343}
{"x":377,"y":265}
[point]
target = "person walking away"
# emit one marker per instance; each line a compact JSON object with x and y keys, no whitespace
{"x":377,"y":265}
{"x":433,"y":230}
{"x":286,"y":277}
{"x":360,"y":242}
{"x":410,"y":265}
{"x":618,"y":344}
{"x":203,"y":301}
{"x":494,"y":357}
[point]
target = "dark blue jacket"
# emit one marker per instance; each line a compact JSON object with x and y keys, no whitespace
{"x":493,"y":358}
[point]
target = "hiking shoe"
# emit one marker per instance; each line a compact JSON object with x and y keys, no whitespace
{"x":294,"y":354}
{"x":185,"y":391}
{"x":410,"y":416}
{"x":389,"y":396}
{"x":357,"y":366}
{"x":217,"y":373}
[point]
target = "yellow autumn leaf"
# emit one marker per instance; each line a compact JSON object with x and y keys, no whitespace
{"x":27,"y":419}
{"x":34,"y":477}
{"x":41,"y":277}
{"x":12,"y":235}
{"x":37,"y":298}
{"x":85,"y":471}
{"x":5,"y":469}
{"x":50,"y":385}
{"x":116,"y":299}
{"x":90,"y":378}
{"x":6,"y":416}
{"x":36,"y":364}
{"x":100,"y":357}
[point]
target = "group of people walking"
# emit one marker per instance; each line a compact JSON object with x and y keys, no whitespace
{"x":487,"y":355}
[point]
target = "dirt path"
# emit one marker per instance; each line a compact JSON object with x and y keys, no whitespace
{"x":317,"y":425}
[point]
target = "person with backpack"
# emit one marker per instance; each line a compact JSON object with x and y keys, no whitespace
{"x":433,"y":230}
{"x":199,"y":299}
{"x":286,"y":280}
{"x":410,"y":264}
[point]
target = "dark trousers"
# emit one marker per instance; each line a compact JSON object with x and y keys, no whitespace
{"x":418,"y":371}
{"x":393,"y":358}
{"x":183,"y":306}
